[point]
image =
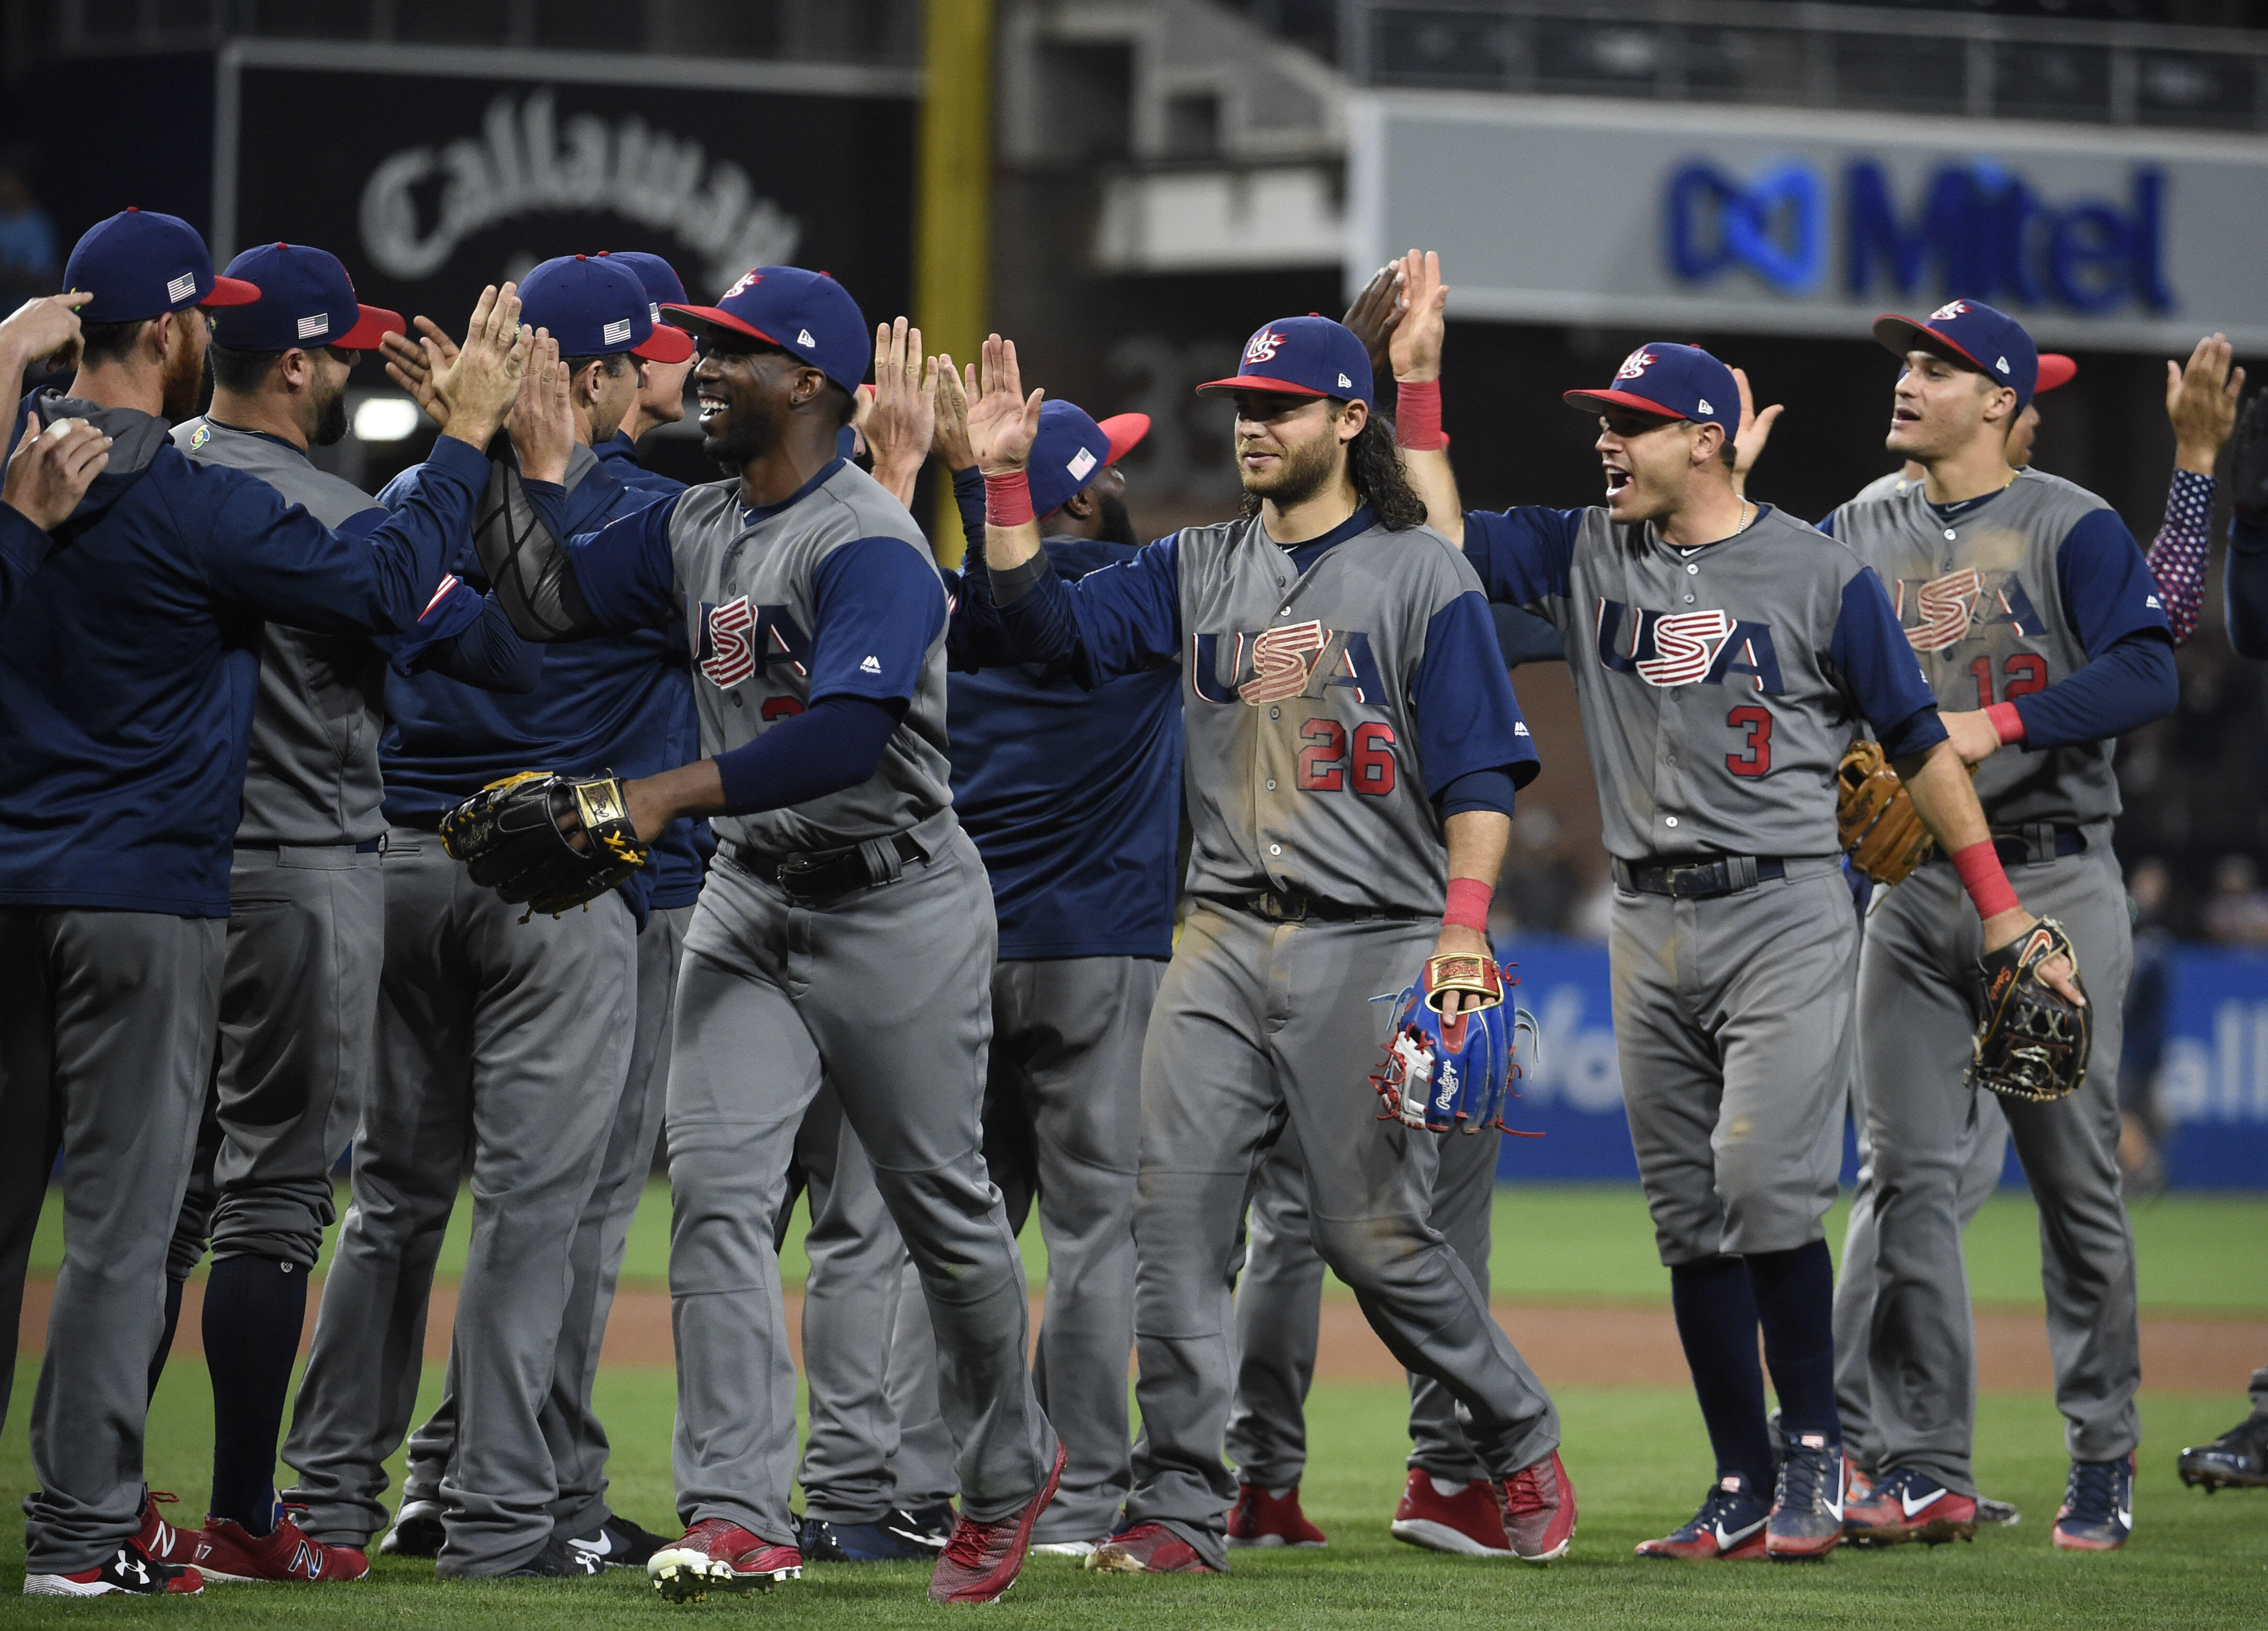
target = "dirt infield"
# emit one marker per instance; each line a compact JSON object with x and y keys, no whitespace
{"x":1580,"y":1347}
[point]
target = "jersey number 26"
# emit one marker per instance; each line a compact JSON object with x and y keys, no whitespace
{"x":1323,"y":762}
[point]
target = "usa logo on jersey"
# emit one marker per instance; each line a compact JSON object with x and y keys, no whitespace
{"x":1275,"y":665}
{"x":1947,"y":610}
{"x":1686,"y":648}
{"x":735,"y":641}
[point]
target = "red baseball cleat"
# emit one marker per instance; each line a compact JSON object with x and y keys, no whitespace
{"x":1260,"y":1519}
{"x":981,"y":1561}
{"x":1539,"y":1511}
{"x":1148,"y":1549}
{"x":127,"y":1571}
{"x":1909,"y":1505}
{"x":1728,"y":1528}
{"x":1447,"y":1515}
{"x":160,"y":1541}
{"x":285,"y":1553}
{"x":717,"y":1554}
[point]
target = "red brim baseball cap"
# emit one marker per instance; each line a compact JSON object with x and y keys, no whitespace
{"x":1126,"y":432}
{"x":2055,"y":369}
{"x":1599,"y":401}
{"x":230,"y":291}
{"x":374,"y":325}
{"x":666,"y":344}
{"x":1257,"y":382}
{"x":1901,"y":335}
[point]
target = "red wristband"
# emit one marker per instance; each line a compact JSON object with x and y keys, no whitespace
{"x":1469,"y":904}
{"x":1007,"y":500}
{"x":1979,"y":867}
{"x":2007,"y":721}
{"x":1417,"y":416}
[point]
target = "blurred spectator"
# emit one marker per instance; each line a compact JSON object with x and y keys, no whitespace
{"x":2140,"y":1135}
{"x":27,"y":236}
{"x":2237,"y":913}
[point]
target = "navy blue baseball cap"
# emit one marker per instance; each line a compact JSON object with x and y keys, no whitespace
{"x":806,"y":314}
{"x":1974,"y":335}
{"x":306,"y":299}
{"x":1070,"y":451}
{"x":661,"y":282}
{"x":139,"y":264}
{"x":595,"y":308}
{"x":1309,"y":355}
{"x":1673,"y":381}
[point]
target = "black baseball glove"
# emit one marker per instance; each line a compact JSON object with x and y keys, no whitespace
{"x":2033,"y":1041}
{"x":551,"y":841}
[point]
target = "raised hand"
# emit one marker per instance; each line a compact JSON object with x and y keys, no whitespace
{"x":2201,"y":403}
{"x":1755,"y":431}
{"x":543,"y":419}
{"x":950,"y":443}
{"x":47,"y":327}
{"x":1002,"y":420}
{"x":51,"y":470}
{"x":1415,"y":347}
{"x":1375,"y":312}
{"x":904,"y":420}
{"x":481,"y":381}
{"x":407,"y":365}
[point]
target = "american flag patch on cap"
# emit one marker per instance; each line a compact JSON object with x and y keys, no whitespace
{"x":615,"y":332}
{"x":182,"y":287}
{"x":1081,"y":463}
{"x":319,"y":324}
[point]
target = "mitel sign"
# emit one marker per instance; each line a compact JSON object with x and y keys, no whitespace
{"x":1690,"y":219}
{"x":1975,"y":227}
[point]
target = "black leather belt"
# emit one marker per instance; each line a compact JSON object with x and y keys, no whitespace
{"x":1699,"y":880}
{"x":2015,"y":849}
{"x":809,"y":876}
{"x":368,"y":846}
{"x":1296,"y":906}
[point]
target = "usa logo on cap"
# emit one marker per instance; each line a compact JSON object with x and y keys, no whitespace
{"x":1634,"y":365}
{"x":1262,"y":346}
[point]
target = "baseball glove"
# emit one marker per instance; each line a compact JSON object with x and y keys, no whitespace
{"x":1447,"y":1074}
{"x":2033,"y":1042}
{"x":1875,"y":817}
{"x":518,"y":837}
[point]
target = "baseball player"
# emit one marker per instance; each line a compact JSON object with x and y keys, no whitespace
{"x":504,"y":1051}
{"x":2040,"y":627}
{"x":1073,"y":798}
{"x":1354,"y":748}
{"x":818,"y":620}
{"x":661,"y":384}
{"x":307,"y":925}
{"x":1722,"y":655}
{"x":128,"y":673}
{"x":35,"y":331}
{"x":571,"y":1425}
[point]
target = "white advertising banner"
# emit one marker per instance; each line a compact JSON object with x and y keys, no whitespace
{"x":1776,"y":220}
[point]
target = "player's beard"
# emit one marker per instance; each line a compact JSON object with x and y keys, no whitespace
{"x":746,"y":435}
{"x":1115,"y":524}
{"x":1302,"y":470}
{"x":183,"y":387}
{"x":331,"y":419}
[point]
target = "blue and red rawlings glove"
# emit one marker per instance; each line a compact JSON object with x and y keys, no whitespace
{"x":1452,"y":1074}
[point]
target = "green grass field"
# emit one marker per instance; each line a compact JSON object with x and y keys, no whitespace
{"x":1638,"y":1458}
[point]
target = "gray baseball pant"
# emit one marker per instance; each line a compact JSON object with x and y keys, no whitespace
{"x":1917,"y":1011}
{"x":1262,"y":1030}
{"x":502,"y":1050}
{"x":579,"y":1447}
{"x":108,"y":1017}
{"x":1279,"y":1298}
{"x":1732,"y":1022}
{"x":1855,"y":1287}
{"x":1063,"y":1111}
{"x":2259,"y":1391}
{"x":884,"y":989}
{"x":299,"y":1005}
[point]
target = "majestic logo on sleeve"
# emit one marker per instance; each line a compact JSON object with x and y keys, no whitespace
{"x":1686,"y":648}
{"x":1945,"y":611}
{"x":1274,"y":665}
{"x":736,"y":640}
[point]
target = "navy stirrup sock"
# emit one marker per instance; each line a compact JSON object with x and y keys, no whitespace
{"x":254,"y":1309}
{"x":1717,"y":1323}
{"x":1795,"y":1294}
{"x":166,"y":1342}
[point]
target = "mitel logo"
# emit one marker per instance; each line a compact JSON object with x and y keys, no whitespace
{"x":734,"y":640}
{"x":1976,"y":226}
{"x":1262,"y":346}
{"x":1274,"y":665}
{"x":1686,"y":648}
{"x":1945,"y":611}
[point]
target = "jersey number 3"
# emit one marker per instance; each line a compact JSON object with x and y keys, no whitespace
{"x":1324,"y":766}
{"x":1755,"y":756}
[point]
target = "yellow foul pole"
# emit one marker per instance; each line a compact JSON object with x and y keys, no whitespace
{"x":953,"y":212}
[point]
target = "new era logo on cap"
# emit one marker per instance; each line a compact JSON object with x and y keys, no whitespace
{"x":315,"y":326}
{"x":803,"y":337}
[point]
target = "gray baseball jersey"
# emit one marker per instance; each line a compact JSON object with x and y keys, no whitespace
{"x":2003,"y":596}
{"x":1719,"y":686}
